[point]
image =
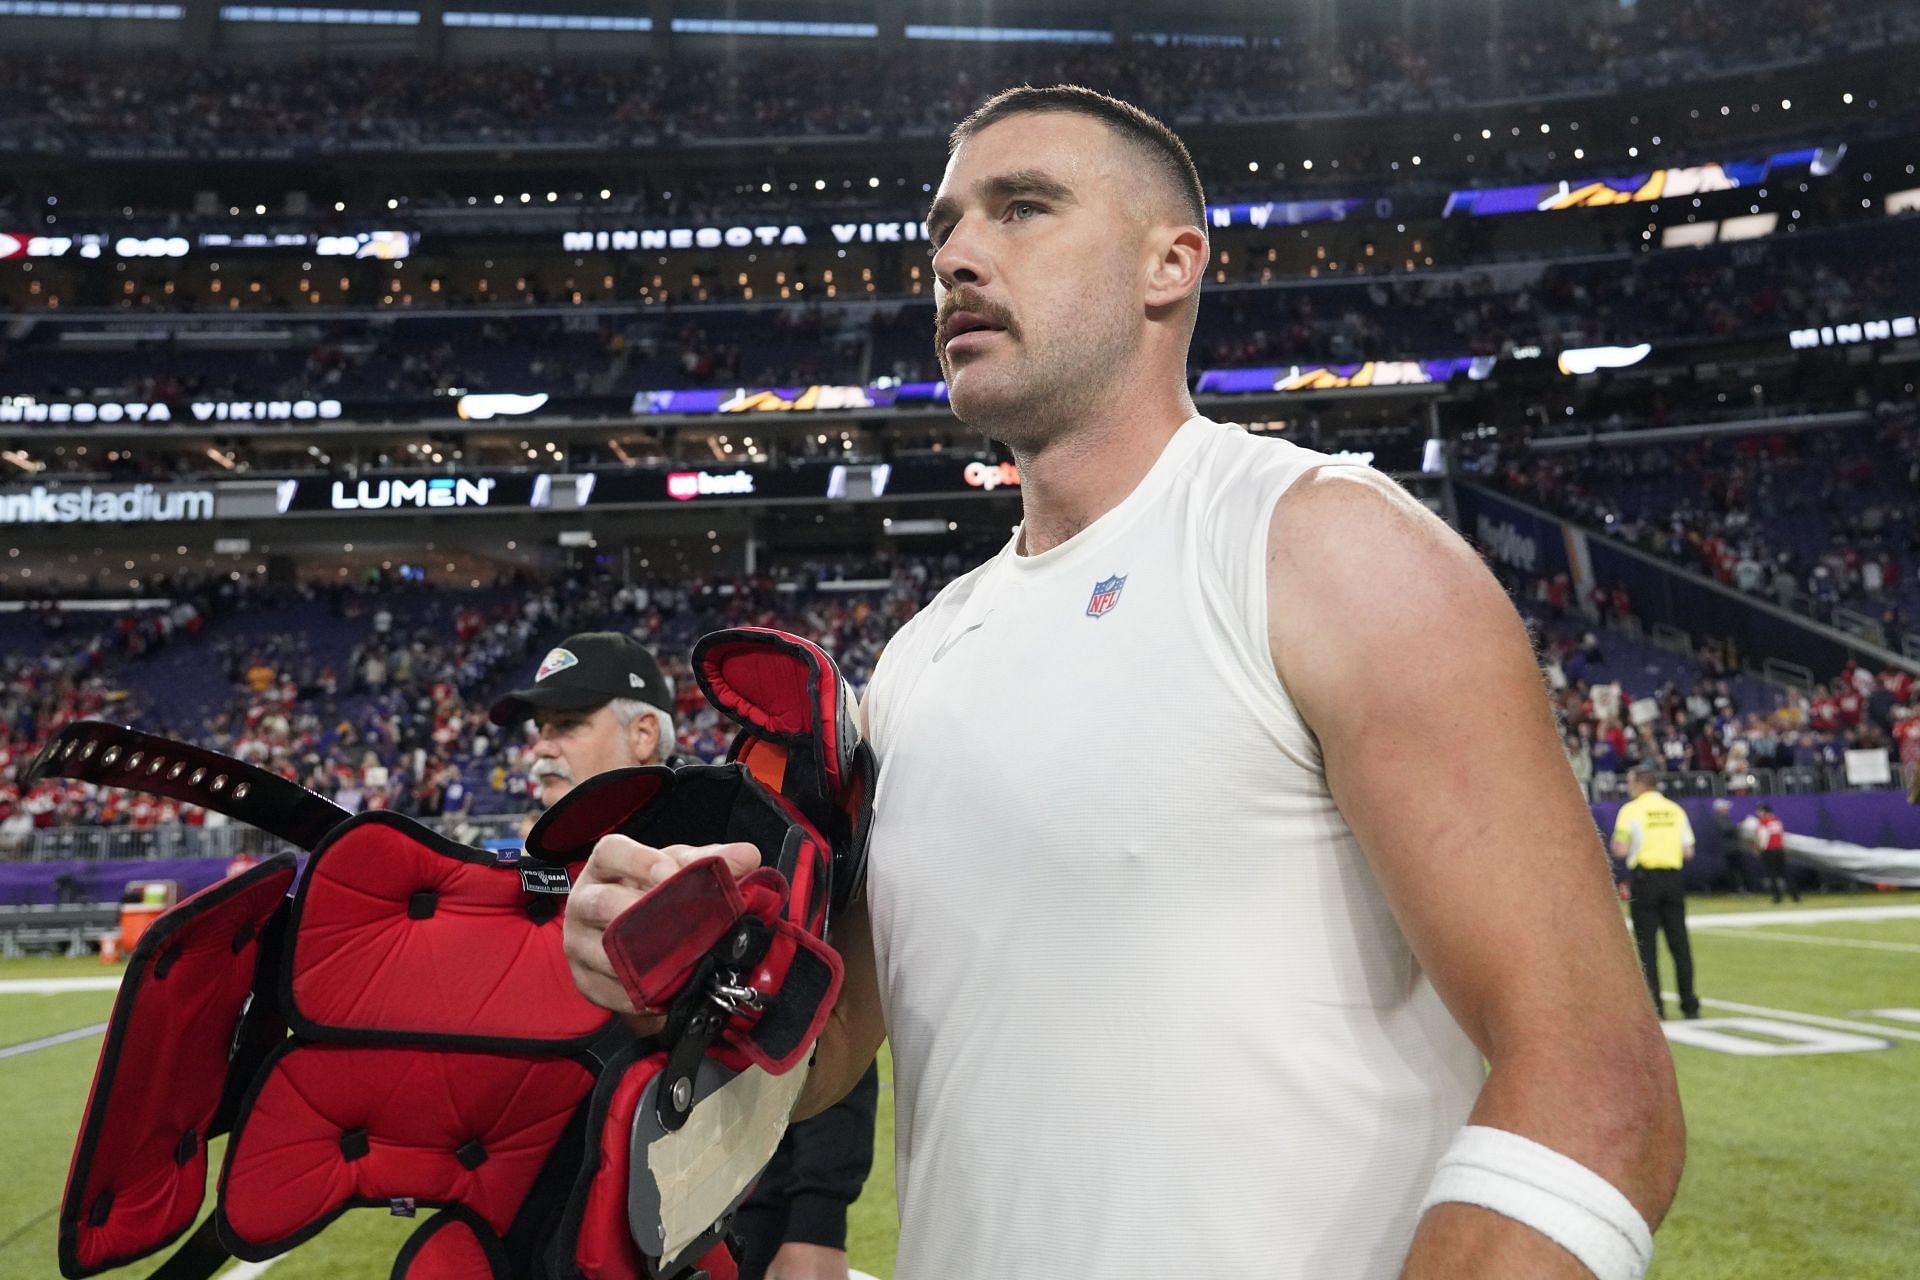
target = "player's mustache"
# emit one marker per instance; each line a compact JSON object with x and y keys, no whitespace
{"x":968,"y":300}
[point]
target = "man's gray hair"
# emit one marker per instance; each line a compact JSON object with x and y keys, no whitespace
{"x":627,"y":710}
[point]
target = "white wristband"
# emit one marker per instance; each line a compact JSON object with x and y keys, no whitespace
{"x":1557,"y":1196}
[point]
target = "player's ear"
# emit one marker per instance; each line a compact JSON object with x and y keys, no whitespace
{"x":1178,"y":262}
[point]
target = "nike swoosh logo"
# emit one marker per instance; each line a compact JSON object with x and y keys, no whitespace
{"x":955,"y":638}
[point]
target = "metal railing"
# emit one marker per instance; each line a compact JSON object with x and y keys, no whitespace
{"x":1791,"y":674}
{"x":1855,"y":623}
{"x":1671,"y":638}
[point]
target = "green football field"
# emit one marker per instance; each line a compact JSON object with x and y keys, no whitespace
{"x":1802,"y":1095}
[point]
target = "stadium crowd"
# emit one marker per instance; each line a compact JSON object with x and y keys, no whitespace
{"x":1617,"y":713}
{"x":383,"y":704}
{"x":1824,"y":518}
{"x":1616,"y":299}
{"x":376,"y":695}
{"x":52,"y":105}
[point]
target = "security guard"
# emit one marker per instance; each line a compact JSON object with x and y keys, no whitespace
{"x":1654,"y":837}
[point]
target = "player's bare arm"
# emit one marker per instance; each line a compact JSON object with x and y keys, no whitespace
{"x":856,"y":1027}
{"x":1415,"y":673}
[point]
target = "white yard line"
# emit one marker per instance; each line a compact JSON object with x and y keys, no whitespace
{"x":1857,"y":944}
{"x":48,"y":1042}
{"x":248,"y":1270}
{"x":1797,"y":915}
{"x":57,"y":986}
{"x":1812,"y":1019}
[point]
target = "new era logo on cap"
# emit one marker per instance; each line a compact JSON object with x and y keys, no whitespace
{"x":634,"y":679}
{"x":556,"y":660}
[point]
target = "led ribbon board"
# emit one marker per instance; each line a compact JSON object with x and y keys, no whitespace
{"x":1336,"y":377}
{"x":1655,"y":184}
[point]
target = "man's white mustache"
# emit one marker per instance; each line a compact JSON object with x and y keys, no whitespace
{"x":549,"y":769}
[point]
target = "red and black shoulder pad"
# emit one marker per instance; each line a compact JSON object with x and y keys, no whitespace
{"x":798,"y":735}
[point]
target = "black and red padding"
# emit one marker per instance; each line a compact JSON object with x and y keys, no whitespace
{"x":694,"y":805}
{"x":326,"y":1128}
{"x":799,"y":736}
{"x":453,"y":1244}
{"x":595,"y":1230}
{"x":783,"y":689}
{"x":400,"y":936}
{"x":139,"y":1171}
{"x":657,"y":944}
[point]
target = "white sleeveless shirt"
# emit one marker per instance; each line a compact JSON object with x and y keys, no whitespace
{"x":1150,"y":1013}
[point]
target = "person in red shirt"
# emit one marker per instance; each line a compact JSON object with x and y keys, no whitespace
{"x":1850,"y":707}
{"x":1770,"y":837}
{"x":1825,"y":711}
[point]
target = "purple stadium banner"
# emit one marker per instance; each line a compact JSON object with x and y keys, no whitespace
{"x":875,"y":395}
{"x":885,"y":395}
{"x":103,"y":879}
{"x":1333,"y":377}
{"x":1869,"y":818}
{"x":1654,"y":184}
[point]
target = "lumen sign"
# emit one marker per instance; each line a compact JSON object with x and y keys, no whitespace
{"x":88,"y":505}
{"x":391,"y":495}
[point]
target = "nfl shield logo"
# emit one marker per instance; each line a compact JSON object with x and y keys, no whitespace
{"x":556,"y":660}
{"x":1106,"y":594}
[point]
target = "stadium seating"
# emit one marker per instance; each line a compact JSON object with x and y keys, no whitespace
{"x":377,"y":698}
{"x":1819,"y":517}
{"x":51,"y":104}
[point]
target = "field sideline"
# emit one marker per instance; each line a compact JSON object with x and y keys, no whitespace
{"x":1800,"y":1101}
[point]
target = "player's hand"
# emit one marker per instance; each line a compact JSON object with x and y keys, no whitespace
{"x":617,"y":875}
{"x":797,"y":1261}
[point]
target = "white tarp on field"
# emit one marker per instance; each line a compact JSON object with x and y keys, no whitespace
{"x":1857,"y":861}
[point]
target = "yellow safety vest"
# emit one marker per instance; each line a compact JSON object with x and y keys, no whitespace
{"x":1656,"y":831}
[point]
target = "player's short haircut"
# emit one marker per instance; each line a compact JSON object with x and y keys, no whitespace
{"x":1647,"y":773}
{"x":1147,"y":135}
